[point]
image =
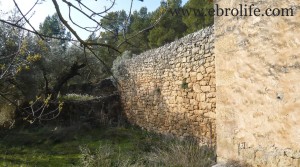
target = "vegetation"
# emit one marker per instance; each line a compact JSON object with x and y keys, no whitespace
{"x":184,"y":84}
{"x":42,"y":64}
{"x":77,"y":97}
{"x":38,"y":66}
{"x":82,"y":145}
{"x":118,"y":64}
{"x":197,"y":20}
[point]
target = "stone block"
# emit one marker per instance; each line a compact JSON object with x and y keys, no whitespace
{"x":193,"y":79}
{"x":201,"y":97}
{"x":197,"y":88}
{"x":193,"y":74}
{"x":203,"y":83}
{"x":179,"y":99}
{"x":211,"y":95}
{"x":195,"y":50}
{"x":199,"y":76}
{"x":191,"y":95}
{"x":210,"y":115}
{"x":210,"y":70}
{"x":205,"y":88}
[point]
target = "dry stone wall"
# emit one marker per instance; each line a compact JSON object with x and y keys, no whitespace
{"x":172,"y":89}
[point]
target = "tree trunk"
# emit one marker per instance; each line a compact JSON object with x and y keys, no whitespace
{"x":64,"y":78}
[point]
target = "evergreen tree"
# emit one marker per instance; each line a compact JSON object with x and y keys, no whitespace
{"x":114,"y":23}
{"x":52,"y":26}
{"x":139,"y":20}
{"x":169,"y":28}
{"x":199,"y":16}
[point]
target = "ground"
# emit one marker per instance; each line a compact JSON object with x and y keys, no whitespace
{"x":84,"y":145}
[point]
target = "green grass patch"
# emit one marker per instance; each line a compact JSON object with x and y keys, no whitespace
{"x":101,"y":146}
{"x":77,"y":97}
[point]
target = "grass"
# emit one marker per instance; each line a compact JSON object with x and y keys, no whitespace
{"x":77,"y":97}
{"x":102,"y":146}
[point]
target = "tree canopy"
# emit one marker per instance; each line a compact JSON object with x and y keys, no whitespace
{"x":37,"y":64}
{"x":199,"y":17}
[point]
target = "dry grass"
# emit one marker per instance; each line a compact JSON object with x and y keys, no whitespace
{"x":183,"y":153}
{"x":168,"y":152}
{"x":77,"y":97}
{"x":105,"y":156}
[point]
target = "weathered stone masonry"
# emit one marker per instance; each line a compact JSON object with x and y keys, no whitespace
{"x":171,"y":89}
{"x":258,"y":85}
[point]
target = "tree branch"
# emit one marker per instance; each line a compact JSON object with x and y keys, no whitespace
{"x":26,"y":19}
{"x":84,"y":43}
{"x":34,"y":32}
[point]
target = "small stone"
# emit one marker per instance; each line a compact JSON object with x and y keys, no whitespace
{"x":195,"y":50}
{"x":199,"y":76}
{"x":197,"y":88}
{"x":192,"y":74}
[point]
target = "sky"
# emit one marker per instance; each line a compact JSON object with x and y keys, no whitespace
{"x":47,"y":8}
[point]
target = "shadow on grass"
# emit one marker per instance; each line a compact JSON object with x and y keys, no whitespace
{"x":84,"y":146}
{"x":59,"y":146}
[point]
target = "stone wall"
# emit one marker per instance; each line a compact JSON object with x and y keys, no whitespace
{"x":171,"y":89}
{"x":258,"y":85}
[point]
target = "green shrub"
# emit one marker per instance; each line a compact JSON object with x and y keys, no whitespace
{"x":184,"y":84}
{"x":158,"y":90}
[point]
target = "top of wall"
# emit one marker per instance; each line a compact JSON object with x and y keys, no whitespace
{"x":172,"y":49}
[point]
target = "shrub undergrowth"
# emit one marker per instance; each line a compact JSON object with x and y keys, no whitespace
{"x":153,"y":150}
{"x":101,"y":146}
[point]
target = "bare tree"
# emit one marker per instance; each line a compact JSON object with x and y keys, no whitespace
{"x":90,"y":14}
{"x":85,"y":10}
{"x":37,"y":110}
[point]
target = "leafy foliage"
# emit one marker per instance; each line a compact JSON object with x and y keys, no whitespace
{"x":139,"y":20}
{"x":32,"y":67}
{"x":199,"y":15}
{"x":169,"y":28}
{"x":52,"y":26}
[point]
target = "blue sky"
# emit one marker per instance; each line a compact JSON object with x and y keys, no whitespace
{"x":47,"y":8}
